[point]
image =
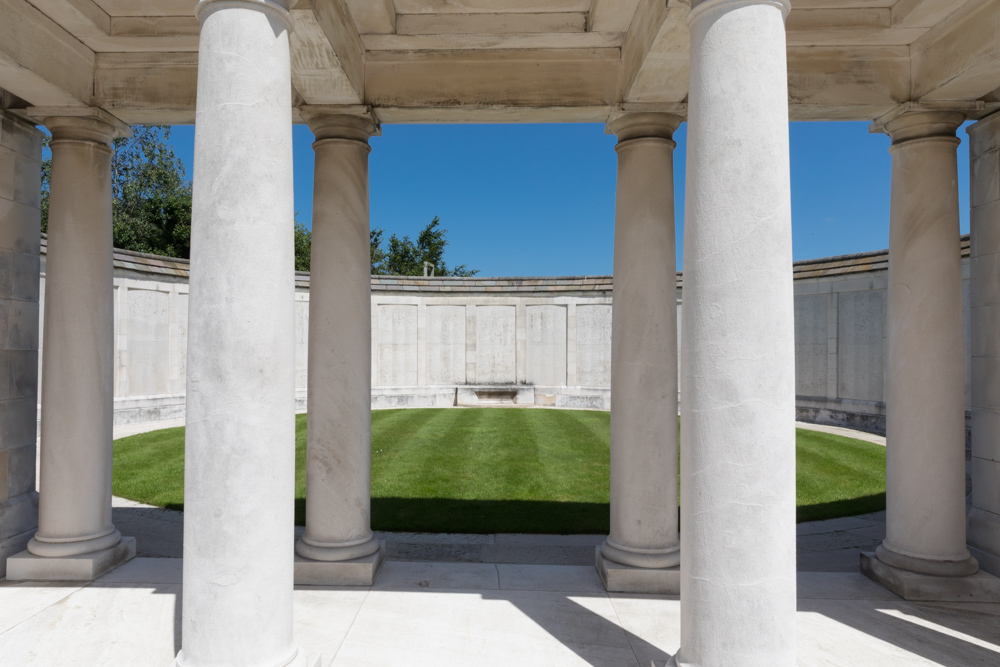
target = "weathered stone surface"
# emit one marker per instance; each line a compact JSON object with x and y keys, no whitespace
{"x":26,"y":566}
{"x":620,"y":578}
{"x":738,"y":350}
{"x":979,"y":587}
{"x":361,"y":571}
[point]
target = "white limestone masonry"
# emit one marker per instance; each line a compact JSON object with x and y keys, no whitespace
{"x":984,"y":513}
{"x":119,"y":349}
{"x":338,"y":450}
{"x":644,"y":531}
{"x":75,"y":472}
{"x":20,"y":187}
{"x":925,"y":434}
{"x":738,"y":358}
{"x":239,"y":468}
{"x":840,"y":310}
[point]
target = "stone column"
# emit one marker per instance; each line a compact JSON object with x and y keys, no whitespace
{"x":338,"y":539}
{"x":239,"y":472}
{"x":75,"y":538}
{"x":925,"y":393}
{"x":738,"y":351}
{"x":642,"y":552}
{"x":984,"y":515}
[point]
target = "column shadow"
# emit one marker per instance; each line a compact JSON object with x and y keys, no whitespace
{"x":873,"y":618}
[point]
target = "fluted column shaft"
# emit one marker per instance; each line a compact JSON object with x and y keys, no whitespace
{"x":738,"y":352}
{"x":77,"y":381}
{"x":925,"y":394}
{"x":338,"y":476}
{"x":644,"y":347}
{"x":240,"y":445}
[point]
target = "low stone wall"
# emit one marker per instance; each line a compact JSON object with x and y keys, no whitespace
{"x":436,"y":341}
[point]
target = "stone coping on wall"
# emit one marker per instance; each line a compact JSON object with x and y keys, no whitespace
{"x":139,"y":262}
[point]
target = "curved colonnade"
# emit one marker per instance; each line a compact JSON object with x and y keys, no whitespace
{"x":737,"y":567}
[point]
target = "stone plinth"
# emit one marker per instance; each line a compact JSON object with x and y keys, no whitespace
{"x":355,"y":572}
{"x":620,"y":578}
{"x":26,"y":566}
{"x":978,"y":587}
{"x":480,"y":395}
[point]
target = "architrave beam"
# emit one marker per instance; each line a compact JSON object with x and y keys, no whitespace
{"x":653,"y":36}
{"x":337,"y":24}
{"x":40,"y":61}
{"x":959,"y":59}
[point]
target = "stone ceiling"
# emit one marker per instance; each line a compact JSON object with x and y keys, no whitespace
{"x":499,"y":60}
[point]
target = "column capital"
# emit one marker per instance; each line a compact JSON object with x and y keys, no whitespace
{"x":701,"y":7}
{"x":358,"y":122}
{"x":643,"y":124}
{"x":278,"y":8}
{"x":80,"y":123}
{"x":922,"y":120}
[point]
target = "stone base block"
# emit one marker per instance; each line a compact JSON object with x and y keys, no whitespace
{"x":26,"y":566}
{"x":620,"y":578}
{"x":988,"y":562}
{"x":13,"y":545}
{"x":354,"y":572}
{"x":978,"y":587}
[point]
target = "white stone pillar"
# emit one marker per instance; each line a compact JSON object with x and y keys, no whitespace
{"x":642,"y":552}
{"x":925,"y":393}
{"x":338,"y":476}
{"x":239,"y":472}
{"x":75,"y":537}
{"x":738,"y":351}
{"x":984,"y":515}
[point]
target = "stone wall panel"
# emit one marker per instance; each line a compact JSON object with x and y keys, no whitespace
{"x":495,"y":345}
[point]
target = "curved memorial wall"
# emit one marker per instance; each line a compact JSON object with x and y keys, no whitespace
{"x":439,"y":342}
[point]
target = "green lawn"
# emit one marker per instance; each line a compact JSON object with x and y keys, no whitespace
{"x":486,"y":470}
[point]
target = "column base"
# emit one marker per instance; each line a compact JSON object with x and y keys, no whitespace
{"x":677,"y":660}
{"x":938,"y":568}
{"x":26,"y":566}
{"x":620,"y":578}
{"x":988,"y":562}
{"x":977,"y":587}
{"x":298,"y":660}
{"x":355,"y":572}
{"x":336,"y":552}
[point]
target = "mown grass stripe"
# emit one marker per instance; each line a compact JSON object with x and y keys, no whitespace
{"x":504,"y":470}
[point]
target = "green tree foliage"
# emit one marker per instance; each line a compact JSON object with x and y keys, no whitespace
{"x":303,"y":246}
{"x":151,"y":197}
{"x":404,"y":257}
{"x":151,"y":209}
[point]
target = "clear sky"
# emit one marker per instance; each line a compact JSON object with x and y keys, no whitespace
{"x":538,"y":200}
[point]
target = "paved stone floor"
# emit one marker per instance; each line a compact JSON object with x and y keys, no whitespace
{"x":500,"y":600}
{"x":444,"y":614}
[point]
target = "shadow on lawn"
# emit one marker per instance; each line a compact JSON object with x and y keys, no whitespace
{"x":448,"y":515}
{"x":839,"y":508}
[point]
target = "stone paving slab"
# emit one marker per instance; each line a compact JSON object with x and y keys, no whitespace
{"x":473,"y":614}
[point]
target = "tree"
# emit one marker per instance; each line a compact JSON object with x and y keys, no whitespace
{"x":303,"y":246}
{"x":404,"y":257}
{"x":151,"y":197}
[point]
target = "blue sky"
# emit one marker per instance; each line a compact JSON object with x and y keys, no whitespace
{"x":538,"y":200}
